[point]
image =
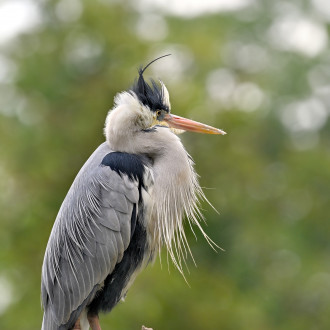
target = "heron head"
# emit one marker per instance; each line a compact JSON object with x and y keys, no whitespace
{"x":156,"y":99}
{"x":144,"y":106}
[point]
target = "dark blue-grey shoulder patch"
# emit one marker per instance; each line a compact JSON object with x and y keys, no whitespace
{"x":124,"y":163}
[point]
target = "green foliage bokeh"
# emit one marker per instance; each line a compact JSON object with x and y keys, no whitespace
{"x":269,"y":181}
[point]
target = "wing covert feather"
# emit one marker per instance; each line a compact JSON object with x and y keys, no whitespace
{"x":89,"y":237}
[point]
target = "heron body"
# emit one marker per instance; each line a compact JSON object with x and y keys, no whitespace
{"x":127,"y":201}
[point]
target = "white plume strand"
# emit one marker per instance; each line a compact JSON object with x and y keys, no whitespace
{"x":174,"y":204}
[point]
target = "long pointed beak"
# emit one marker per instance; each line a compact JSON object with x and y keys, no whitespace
{"x":190,"y":125}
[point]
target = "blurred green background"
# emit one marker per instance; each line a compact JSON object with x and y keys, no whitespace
{"x":260,"y":70}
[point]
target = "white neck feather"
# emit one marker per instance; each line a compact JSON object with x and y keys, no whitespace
{"x":127,"y":118}
{"x":175,"y":196}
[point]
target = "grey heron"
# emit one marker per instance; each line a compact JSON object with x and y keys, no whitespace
{"x":128,"y":200}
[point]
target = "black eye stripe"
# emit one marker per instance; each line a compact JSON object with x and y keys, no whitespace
{"x":152,"y":94}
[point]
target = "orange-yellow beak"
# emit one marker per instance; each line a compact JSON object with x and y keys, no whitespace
{"x":190,"y":125}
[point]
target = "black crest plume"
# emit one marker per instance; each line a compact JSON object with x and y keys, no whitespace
{"x":150,"y":95}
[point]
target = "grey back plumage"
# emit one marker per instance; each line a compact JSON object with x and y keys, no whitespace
{"x":89,"y":237}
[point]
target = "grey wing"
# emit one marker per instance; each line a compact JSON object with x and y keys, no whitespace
{"x":89,"y":237}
